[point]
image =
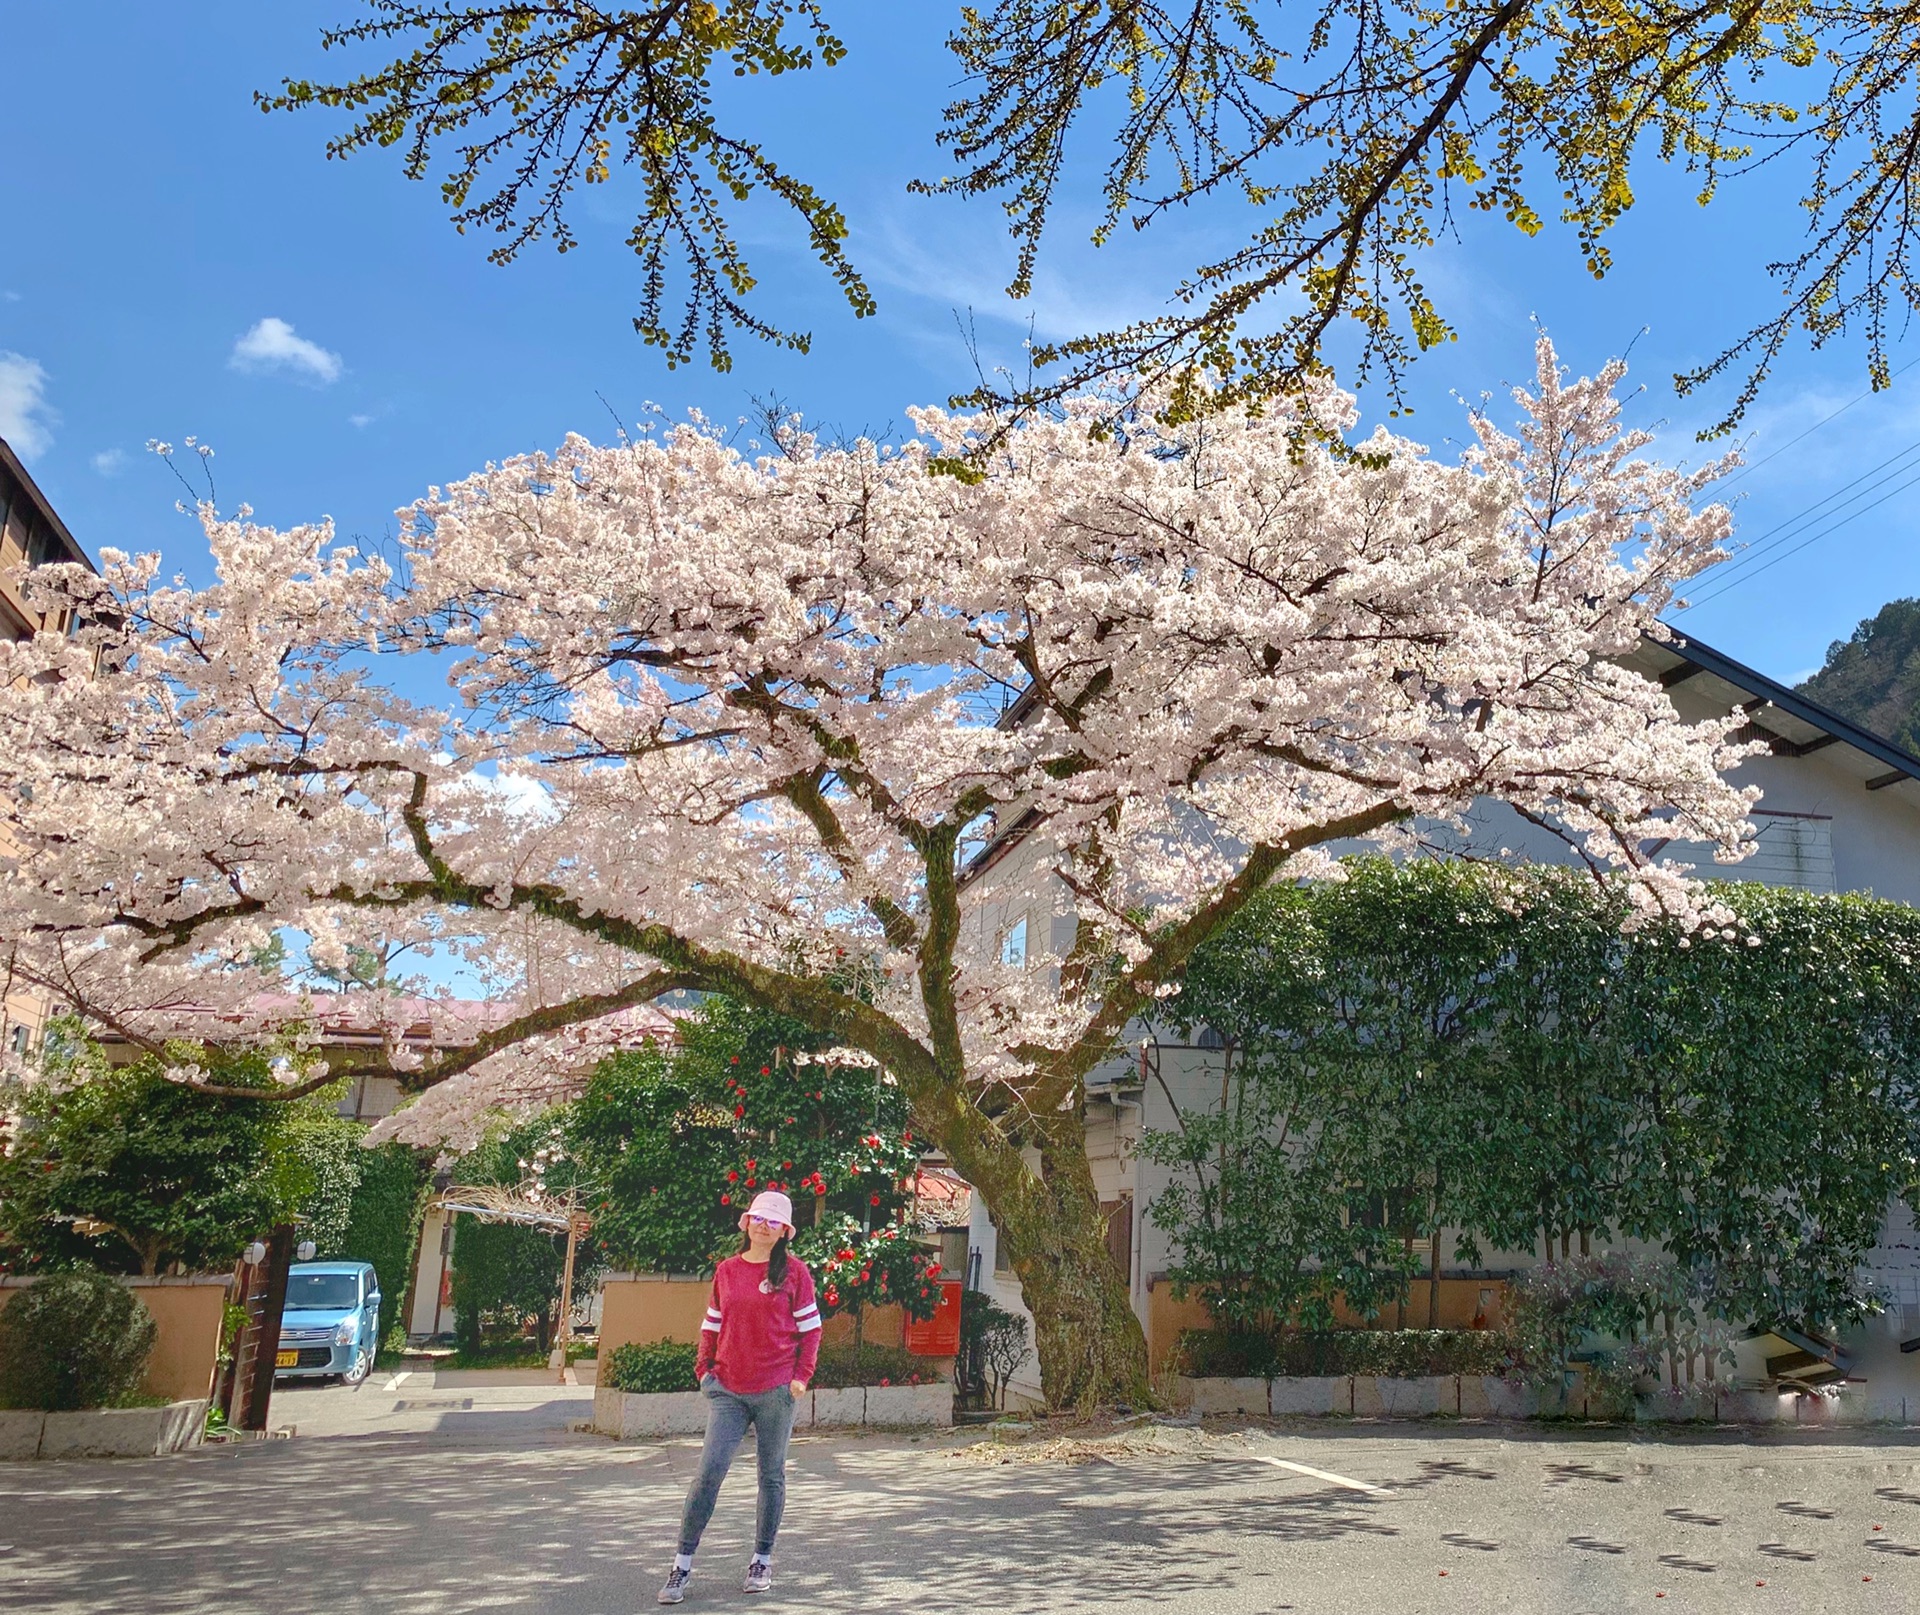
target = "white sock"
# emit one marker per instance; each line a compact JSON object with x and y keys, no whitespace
{"x":761,"y":1559}
{"x":683,"y":1561}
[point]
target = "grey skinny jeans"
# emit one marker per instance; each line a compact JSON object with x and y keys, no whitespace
{"x":771,"y":1415}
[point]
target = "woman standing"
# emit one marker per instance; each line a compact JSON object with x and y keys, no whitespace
{"x":758,"y":1347}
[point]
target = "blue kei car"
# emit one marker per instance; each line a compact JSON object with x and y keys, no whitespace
{"x":331,"y":1324}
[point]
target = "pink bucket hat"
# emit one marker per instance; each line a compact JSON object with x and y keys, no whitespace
{"x":770,"y":1203}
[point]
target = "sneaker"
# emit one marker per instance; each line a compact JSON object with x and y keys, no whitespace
{"x":759,"y":1577}
{"x":676,"y":1587}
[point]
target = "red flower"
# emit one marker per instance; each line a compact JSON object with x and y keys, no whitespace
{"x":726,"y":1199}
{"x":766,"y":1070}
{"x":739,"y":1111}
{"x":833,"y":1298}
{"x":819,"y":1188}
{"x":733,"y":1177}
{"x":749,"y":1183}
{"x":734,"y":1061}
{"x":884,"y":1380}
{"x":907,"y":1136}
{"x":932,"y":1268}
{"x":875,"y":1200}
{"x":819,"y":1096}
{"x":751,"y":1164}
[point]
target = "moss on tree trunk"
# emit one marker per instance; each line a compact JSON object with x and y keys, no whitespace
{"x":1090,"y":1346}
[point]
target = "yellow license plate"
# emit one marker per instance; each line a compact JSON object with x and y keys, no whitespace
{"x":286,"y":1359}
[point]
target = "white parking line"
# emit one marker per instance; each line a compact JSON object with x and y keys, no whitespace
{"x":394,"y":1383}
{"x":1322,"y":1474}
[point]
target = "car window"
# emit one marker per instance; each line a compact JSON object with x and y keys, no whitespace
{"x":323,"y":1290}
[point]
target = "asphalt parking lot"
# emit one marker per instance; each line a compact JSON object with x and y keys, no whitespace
{"x":417,"y":1498}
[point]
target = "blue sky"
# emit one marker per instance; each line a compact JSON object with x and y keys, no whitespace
{"x":177,"y":263}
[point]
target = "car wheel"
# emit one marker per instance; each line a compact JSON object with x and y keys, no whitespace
{"x":362,"y":1367}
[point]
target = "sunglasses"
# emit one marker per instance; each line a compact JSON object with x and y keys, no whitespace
{"x":766,"y":1222}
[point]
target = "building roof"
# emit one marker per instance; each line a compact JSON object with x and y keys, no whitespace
{"x":11,"y":463}
{"x":1792,"y":724}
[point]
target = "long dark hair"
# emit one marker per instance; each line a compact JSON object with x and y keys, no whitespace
{"x":776,"y":1259}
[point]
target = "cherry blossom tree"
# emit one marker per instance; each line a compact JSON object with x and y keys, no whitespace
{"x":682,"y":715}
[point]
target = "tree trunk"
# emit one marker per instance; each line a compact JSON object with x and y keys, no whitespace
{"x":1089,"y":1343}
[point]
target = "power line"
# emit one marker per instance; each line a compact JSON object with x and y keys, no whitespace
{"x":1748,"y":470}
{"x":1795,"y":524}
{"x":1734,"y":583}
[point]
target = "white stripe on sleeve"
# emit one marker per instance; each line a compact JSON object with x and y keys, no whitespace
{"x":802,"y":1325}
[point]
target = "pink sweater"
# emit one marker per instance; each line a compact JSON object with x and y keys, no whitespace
{"x":753,"y":1340}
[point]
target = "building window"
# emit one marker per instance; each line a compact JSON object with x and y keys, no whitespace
{"x":1013,"y":946}
{"x":20,"y":1039}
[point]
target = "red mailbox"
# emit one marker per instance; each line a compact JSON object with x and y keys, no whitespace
{"x":939,"y":1336}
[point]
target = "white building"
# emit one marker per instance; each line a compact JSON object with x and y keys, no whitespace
{"x":1840,"y":812}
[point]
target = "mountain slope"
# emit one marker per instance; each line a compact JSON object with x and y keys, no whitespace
{"x":1874,"y":677}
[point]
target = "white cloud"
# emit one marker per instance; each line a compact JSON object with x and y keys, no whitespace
{"x":273,"y":345}
{"x":11,"y":297}
{"x":359,"y":420}
{"x":109,"y":461}
{"x":26,"y":419}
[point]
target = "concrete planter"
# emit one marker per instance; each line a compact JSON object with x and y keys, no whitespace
{"x":839,"y":1407}
{"x":120,"y":1432}
{"x":20,"y":1432}
{"x":1492,"y":1396}
{"x":1754,"y":1407}
{"x":1381,"y":1397}
{"x":922,"y":1405}
{"x":1690,"y":1405}
{"x":1316,"y":1394}
{"x":1211,"y":1395}
{"x":629,"y":1415}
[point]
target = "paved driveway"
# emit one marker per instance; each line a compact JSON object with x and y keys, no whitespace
{"x":428,"y":1501}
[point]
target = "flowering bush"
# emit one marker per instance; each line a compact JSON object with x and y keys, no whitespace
{"x":855,"y":1267}
{"x":1625,"y":1318}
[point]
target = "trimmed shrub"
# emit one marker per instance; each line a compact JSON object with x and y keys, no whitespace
{"x":1396,"y":1353}
{"x":73,"y":1340}
{"x":662,"y":1366}
{"x":876,"y":1365}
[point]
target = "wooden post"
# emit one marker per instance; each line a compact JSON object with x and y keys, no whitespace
{"x":265,"y":1304}
{"x":563,"y":1336}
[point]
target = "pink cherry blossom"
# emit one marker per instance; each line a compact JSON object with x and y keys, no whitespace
{"x":682,"y":714}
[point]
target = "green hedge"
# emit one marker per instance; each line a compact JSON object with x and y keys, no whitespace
{"x":877,"y":1365}
{"x":663,"y":1366}
{"x":1396,"y":1353}
{"x":667,"y":1365}
{"x":383,"y":1225}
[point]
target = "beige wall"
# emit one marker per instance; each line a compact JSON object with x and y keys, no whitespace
{"x":646,"y":1308}
{"x":186,"y":1315}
